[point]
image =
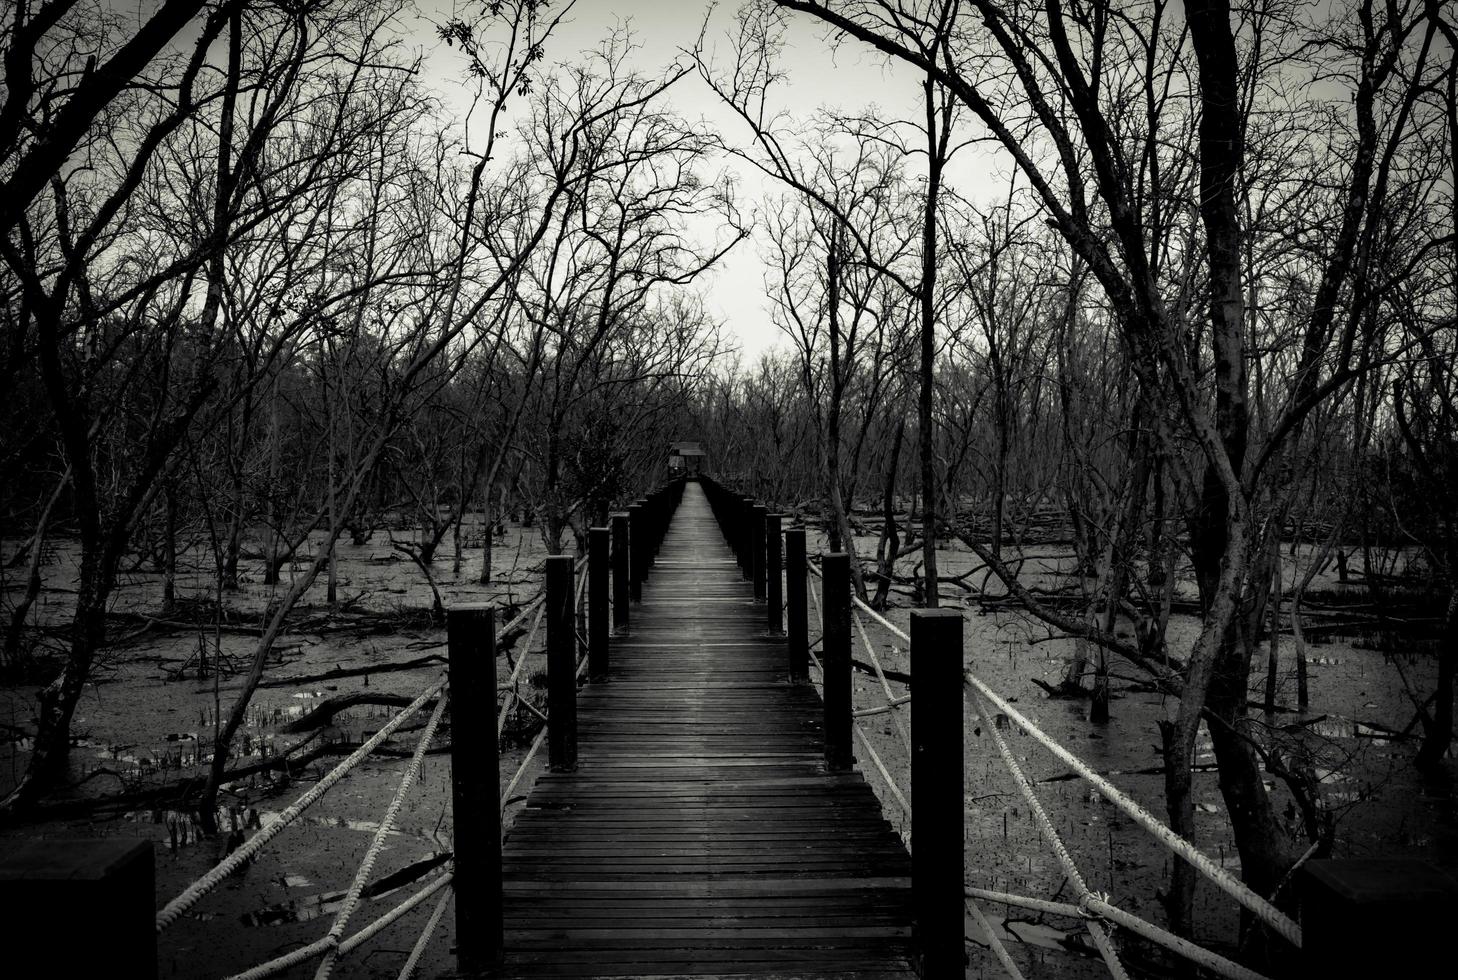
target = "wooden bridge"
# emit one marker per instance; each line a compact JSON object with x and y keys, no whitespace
{"x":701,"y":833}
{"x":703,"y":816}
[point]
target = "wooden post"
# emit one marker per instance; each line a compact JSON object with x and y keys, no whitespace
{"x":937,"y":792}
{"x":622,"y":586}
{"x":835,"y":632}
{"x":1375,"y":917}
{"x":746,"y":537}
{"x":757,"y":550}
{"x":798,"y":617}
{"x":561,"y":666}
{"x":597,"y":602}
{"x":475,"y":787}
{"x":95,"y":900}
{"x":773,"y":568}
{"x":637,"y":544}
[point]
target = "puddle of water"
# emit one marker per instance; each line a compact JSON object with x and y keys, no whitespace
{"x":1032,"y":932}
{"x":1336,"y":726}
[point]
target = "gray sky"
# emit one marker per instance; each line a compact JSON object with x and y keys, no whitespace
{"x":849,"y":79}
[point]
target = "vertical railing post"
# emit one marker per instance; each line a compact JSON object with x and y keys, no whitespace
{"x":773,"y":568}
{"x":561,"y":666}
{"x":104,"y":888}
{"x":1361,"y":915}
{"x":637,"y":544}
{"x":597,"y":602}
{"x":835,"y":633}
{"x":475,"y":787}
{"x":937,"y":802}
{"x":653,"y":503}
{"x":757,"y":548}
{"x":796,"y":613}
{"x":746,"y":536}
{"x":622,"y":585}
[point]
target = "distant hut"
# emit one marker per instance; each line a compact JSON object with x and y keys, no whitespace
{"x":685,"y":459}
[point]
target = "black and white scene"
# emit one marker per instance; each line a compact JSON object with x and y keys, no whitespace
{"x":775,"y":489}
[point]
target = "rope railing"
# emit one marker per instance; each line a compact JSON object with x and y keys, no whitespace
{"x":195,"y":892}
{"x":1094,"y":909}
{"x":372,"y":853}
{"x":333,"y":946}
{"x":304,"y":954}
{"x":865,"y":740}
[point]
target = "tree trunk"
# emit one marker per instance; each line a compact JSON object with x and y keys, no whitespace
{"x":889,"y":546}
{"x":1273,"y":654}
{"x":169,"y":547}
{"x":1438,"y":735}
{"x":32,"y":577}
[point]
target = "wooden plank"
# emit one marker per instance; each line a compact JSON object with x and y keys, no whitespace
{"x":701,"y":834}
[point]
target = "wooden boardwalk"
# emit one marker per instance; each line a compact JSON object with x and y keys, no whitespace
{"x":701,"y":834}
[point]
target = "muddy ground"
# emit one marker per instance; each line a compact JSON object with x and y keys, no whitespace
{"x":146,"y":721}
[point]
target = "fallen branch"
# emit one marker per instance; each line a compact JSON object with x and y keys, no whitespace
{"x":341,"y":672}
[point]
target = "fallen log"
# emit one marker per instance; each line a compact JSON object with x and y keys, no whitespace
{"x":341,"y":672}
{"x":323,"y":713}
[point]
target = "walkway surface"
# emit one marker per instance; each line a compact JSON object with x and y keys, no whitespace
{"x":700,"y":834}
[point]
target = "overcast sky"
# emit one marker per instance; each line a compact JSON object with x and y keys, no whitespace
{"x":849,"y":79}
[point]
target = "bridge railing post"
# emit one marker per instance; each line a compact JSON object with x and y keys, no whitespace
{"x":1374,"y":917}
{"x":835,"y":660}
{"x":757,"y":525}
{"x":796,"y":614}
{"x":622,"y":578}
{"x":774,"y":568}
{"x":561,"y":666}
{"x":598,"y":574}
{"x":654,"y":504}
{"x":937,"y":802}
{"x":637,"y":544}
{"x":746,"y":537}
{"x":107,"y":885}
{"x":475,"y":787}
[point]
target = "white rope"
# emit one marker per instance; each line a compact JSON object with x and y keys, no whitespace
{"x":385,"y":921}
{"x":382,"y":833}
{"x":1222,"y":879}
{"x":1025,"y":902}
{"x":891,"y":627}
{"x":891,"y":705}
{"x":885,"y":685}
{"x":881,"y":768}
{"x":305,"y":953}
{"x":195,"y":892}
{"x":1050,"y":833}
{"x":521,"y":769}
{"x":516,"y":672}
{"x":1195,"y":954}
{"x":426,"y":935}
{"x":1182,"y":947}
{"x":860,"y":732}
{"x":993,"y":940}
{"x":1106,"y":949}
{"x":525,"y":611}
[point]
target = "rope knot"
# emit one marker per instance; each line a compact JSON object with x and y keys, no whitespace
{"x":1087,"y":897}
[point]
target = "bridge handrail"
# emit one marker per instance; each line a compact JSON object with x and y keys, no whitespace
{"x":333,"y":945}
{"x":1202,"y":862}
{"x":860,"y":731}
{"x":304,"y":954}
{"x":196,"y":891}
{"x":1093,"y":907}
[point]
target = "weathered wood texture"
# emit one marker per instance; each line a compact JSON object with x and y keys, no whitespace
{"x":701,"y":834}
